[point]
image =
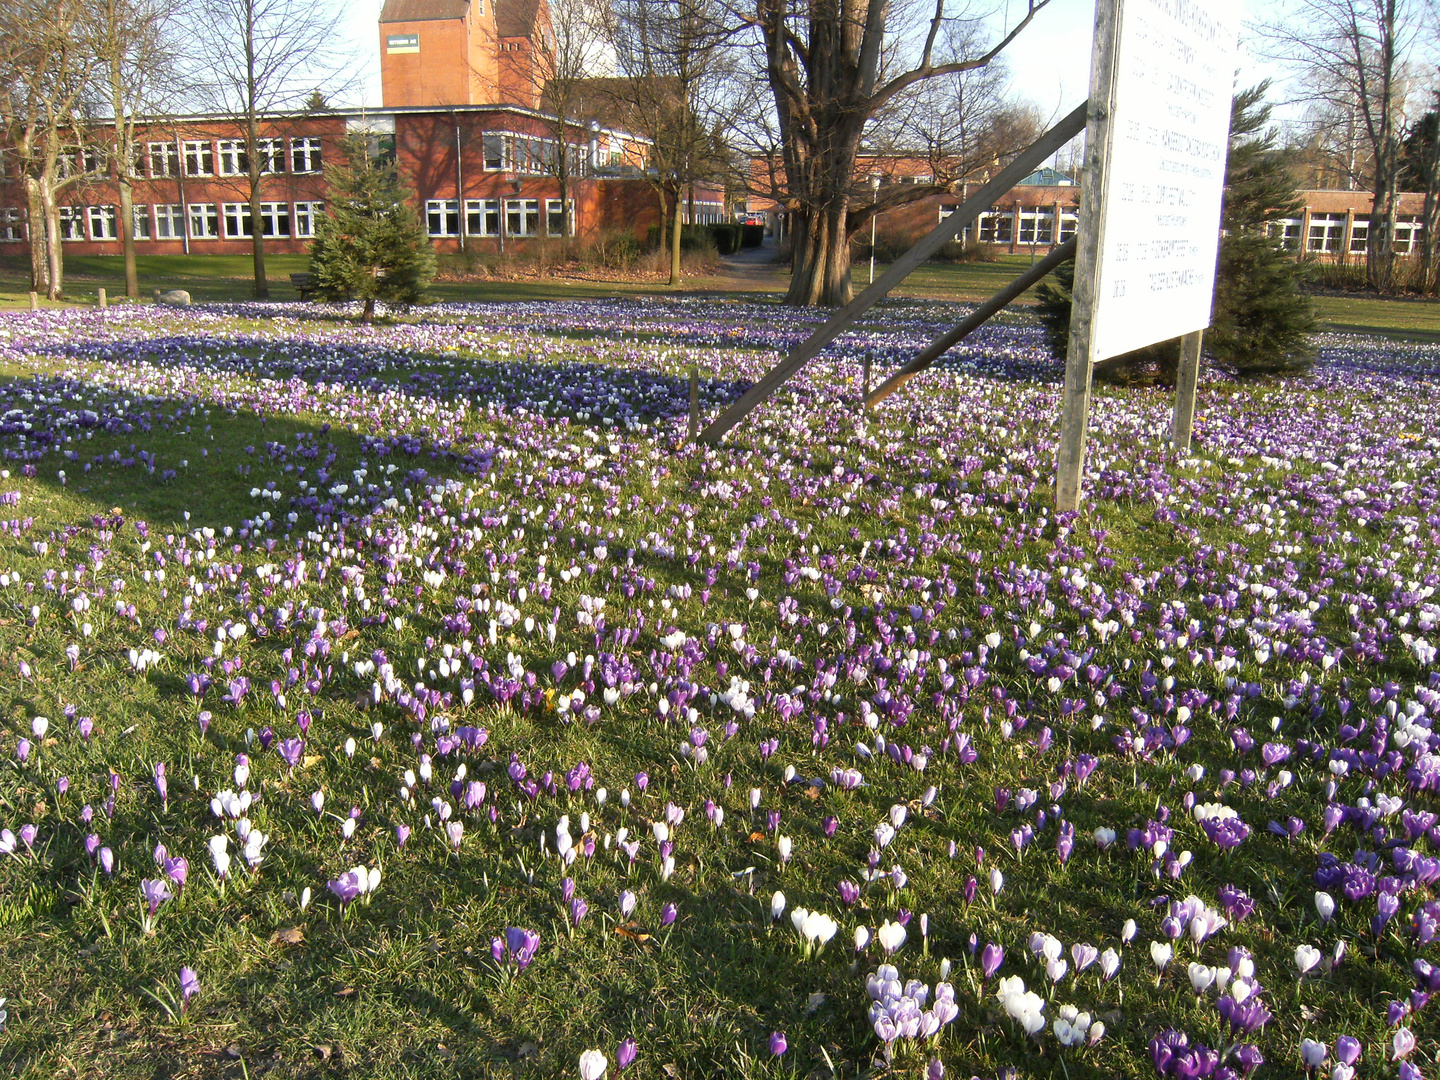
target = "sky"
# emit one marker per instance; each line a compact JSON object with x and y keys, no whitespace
{"x":1049,"y":62}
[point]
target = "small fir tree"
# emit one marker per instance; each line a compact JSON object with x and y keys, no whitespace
{"x":1262,"y":317}
{"x":370,"y":245}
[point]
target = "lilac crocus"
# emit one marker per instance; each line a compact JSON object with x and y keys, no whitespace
{"x":991,"y":957}
{"x":778,"y":1044}
{"x":578,"y":908}
{"x":625,"y":1054}
{"x":668,"y":914}
{"x":189,"y":985}
{"x":346,"y":888}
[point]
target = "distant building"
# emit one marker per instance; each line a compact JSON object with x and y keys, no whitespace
{"x":462,"y":83}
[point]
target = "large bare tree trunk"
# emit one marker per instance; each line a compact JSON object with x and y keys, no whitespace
{"x":35,"y":212}
{"x":125,"y":160}
{"x":252,"y":151}
{"x":677,"y":227}
{"x":54,"y":253}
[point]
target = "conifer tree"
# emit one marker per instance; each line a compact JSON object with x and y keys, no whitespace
{"x":1262,"y":317}
{"x":370,"y":245}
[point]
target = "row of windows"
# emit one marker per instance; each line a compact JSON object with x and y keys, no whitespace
{"x":483,"y":217}
{"x":169,"y":221}
{"x":1037,"y":225}
{"x":203,"y":157}
{"x":1327,"y":234}
{"x":504,"y":152}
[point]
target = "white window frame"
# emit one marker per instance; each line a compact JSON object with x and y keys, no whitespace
{"x":72,"y":222}
{"x":522,"y":218}
{"x":1326,"y":235}
{"x":102,"y":222}
{"x":140,"y":220}
{"x":1287,"y":231}
{"x":274,"y":215}
{"x":232,"y":158}
{"x":199,"y":158}
{"x":164,"y":159}
{"x":305,"y":216}
{"x":552,"y":207}
{"x":203,"y":220}
{"x":1359,"y":237}
{"x":306,"y":155}
{"x":272,"y":156}
{"x":12,"y":224}
{"x":479,"y":214}
{"x":1039,"y":223}
{"x":995,"y":227}
{"x":169,"y":221}
{"x":442,"y":218}
{"x":1408,"y":233}
{"x":236,"y":220}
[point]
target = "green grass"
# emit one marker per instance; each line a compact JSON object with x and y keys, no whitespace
{"x":403,"y":986}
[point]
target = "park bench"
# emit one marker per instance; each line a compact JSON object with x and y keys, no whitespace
{"x":304,"y":284}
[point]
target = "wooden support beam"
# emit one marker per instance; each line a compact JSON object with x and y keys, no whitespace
{"x":694,"y":402}
{"x":1024,"y":164}
{"x":1080,"y":355}
{"x":972,"y":322}
{"x":1186,"y":379}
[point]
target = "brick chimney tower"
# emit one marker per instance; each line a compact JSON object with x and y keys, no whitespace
{"x":436,"y":53}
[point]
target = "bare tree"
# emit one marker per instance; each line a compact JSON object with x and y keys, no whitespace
{"x":256,"y":57}
{"x":133,"y":50}
{"x":674,"y":90}
{"x":567,"y":48}
{"x":43,"y":84}
{"x":1353,"y":57}
{"x":832,"y":66}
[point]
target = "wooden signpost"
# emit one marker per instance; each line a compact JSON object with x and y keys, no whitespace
{"x":1156,"y":132}
{"x":1155,"y":142}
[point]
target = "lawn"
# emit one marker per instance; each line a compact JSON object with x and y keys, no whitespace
{"x":413,"y":701}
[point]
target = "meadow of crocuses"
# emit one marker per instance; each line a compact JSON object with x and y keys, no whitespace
{"x":413,"y":700}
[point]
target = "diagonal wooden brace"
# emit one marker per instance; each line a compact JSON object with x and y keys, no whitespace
{"x":1024,"y":164}
{"x":972,"y":322}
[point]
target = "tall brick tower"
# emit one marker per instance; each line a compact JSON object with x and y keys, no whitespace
{"x":463,"y":52}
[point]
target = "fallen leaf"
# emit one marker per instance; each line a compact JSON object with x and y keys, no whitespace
{"x":292,"y":935}
{"x":345,"y":992}
{"x":757,"y":838}
{"x":310,"y":759}
{"x":528,"y":1050}
{"x":632,"y":931}
{"x":324,"y":1052}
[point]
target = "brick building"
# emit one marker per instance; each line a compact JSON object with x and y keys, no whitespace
{"x":460,"y":120}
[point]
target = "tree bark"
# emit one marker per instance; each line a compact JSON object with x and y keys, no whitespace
{"x":677,"y":228}
{"x":35,"y":213}
{"x":54,"y":254}
{"x":821,"y":256}
{"x":252,"y":152}
{"x":125,"y":157}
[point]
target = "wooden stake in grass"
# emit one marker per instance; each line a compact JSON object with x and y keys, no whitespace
{"x":100,"y":298}
{"x":694,"y":403}
{"x":34,"y":301}
{"x":865,"y":378}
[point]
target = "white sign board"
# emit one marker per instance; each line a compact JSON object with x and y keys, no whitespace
{"x":1169,"y":124}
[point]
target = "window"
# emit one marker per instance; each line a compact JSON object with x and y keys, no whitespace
{"x":305,"y":155}
{"x":494,"y":152}
{"x":1360,"y":237}
{"x":204,"y":222}
{"x":274,"y":219}
{"x":272,"y":155}
{"x":72,"y":223}
{"x":1408,"y":232}
{"x":996,"y":227}
{"x":233,"y":159}
{"x":1037,"y":225}
{"x":199,"y":159}
{"x":482,"y":217}
{"x":1288,"y":230}
{"x":164,"y":159}
{"x":305,"y":215}
{"x":12,"y":223}
{"x":102,"y":222}
{"x":169,"y":222}
{"x":555,"y":218}
{"x":237,"y":219}
{"x":522,"y":217}
{"x":1327,"y":232}
{"x":92,"y":160}
{"x":140,"y":217}
{"x":442,"y":217}
{"x":1069,"y":222}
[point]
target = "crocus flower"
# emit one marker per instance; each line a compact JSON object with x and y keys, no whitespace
{"x":189,"y":985}
{"x":778,"y":1045}
{"x":593,"y":1065}
{"x":625,"y":1054}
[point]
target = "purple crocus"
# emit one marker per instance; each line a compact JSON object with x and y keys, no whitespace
{"x":154,"y":893}
{"x":292,"y":750}
{"x":578,"y":908}
{"x":346,"y":888}
{"x":668,"y":914}
{"x":521,"y":945}
{"x":625,"y":1054}
{"x":778,"y":1045}
{"x":189,"y":985}
{"x":991,"y":957}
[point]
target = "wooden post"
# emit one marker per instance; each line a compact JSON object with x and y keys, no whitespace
{"x":1080,"y":356}
{"x":100,"y":298}
{"x":694,"y":403}
{"x":34,"y":301}
{"x":865,"y":379}
{"x":899,"y":270}
{"x":1186,"y":378}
